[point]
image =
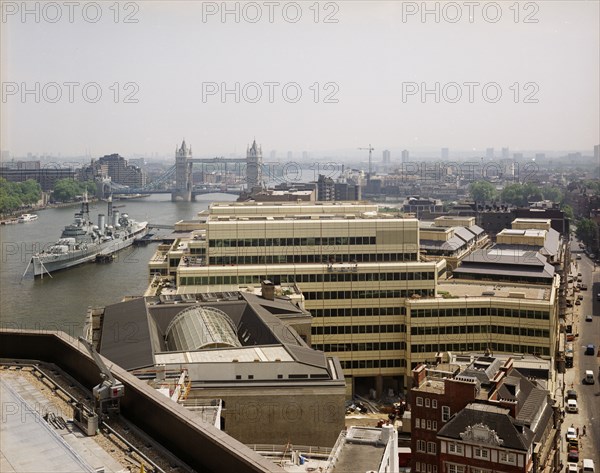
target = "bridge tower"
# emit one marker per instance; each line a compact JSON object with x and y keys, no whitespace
{"x":254,"y":164}
{"x":183,"y":174}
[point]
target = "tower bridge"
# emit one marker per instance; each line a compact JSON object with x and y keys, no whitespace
{"x":184,"y":186}
{"x":185,"y":190}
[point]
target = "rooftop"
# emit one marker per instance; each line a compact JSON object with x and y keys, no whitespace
{"x":476,"y":290}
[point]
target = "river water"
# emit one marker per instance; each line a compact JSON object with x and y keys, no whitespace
{"x":61,"y":302}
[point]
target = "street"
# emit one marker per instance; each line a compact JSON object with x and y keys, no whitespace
{"x":589,"y":333}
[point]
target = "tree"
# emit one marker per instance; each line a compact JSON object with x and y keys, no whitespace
{"x":568,"y":210}
{"x":482,"y":191}
{"x":14,"y":195}
{"x":587,"y":231}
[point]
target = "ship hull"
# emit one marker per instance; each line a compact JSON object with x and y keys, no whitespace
{"x":49,"y":263}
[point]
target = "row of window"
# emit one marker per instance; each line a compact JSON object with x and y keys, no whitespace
{"x":304,"y":278}
{"x":483,"y":453}
{"x":403,"y":293}
{"x":361,"y":364}
{"x":331,"y":242}
{"x":422,"y":467}
{"x":499,"y":329}
{"x":426,"y":447}
{"x":462,"y":347}
{"x":481,"y":311}
{"x":426,"y":424}
{"x":313,"y":258}
{"x":349,"y":329}
{"x":428,"y":402}
{"x":358,"y":311}
{"x":348,"y":347}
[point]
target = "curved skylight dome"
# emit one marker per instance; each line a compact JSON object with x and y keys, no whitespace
{"x":196,"y":328}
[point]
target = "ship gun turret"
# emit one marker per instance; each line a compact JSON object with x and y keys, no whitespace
{"x":108,"y":393}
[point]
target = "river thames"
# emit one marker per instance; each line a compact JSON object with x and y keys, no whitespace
{"x":61,"y":302}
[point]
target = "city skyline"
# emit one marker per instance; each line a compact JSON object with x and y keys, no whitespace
{"x":365,"y":78}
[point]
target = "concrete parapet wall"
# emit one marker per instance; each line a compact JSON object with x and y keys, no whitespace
{"x":200,"y":445}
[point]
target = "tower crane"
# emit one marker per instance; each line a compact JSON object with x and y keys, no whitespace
{"x":370,"y":149}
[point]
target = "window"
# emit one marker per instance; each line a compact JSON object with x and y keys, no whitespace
{"x":507,"y":457}
{"x":452,"y":468}
{"x":428,"y":424}
{"x":434,"y":403}
{"x":419,"y":401}
{"x":435,"y":425}
{"x":434,"y":469}
{"x":455,"y":448}
{"x":431,"y":448}
{"x":428,"y":468}
{"x":427,"y":402}
{"x":418,"y":466}
{"x":445,"y":413}
{"x":417,"y":423}
{"x":421,"y":446}
{"x":482,"y":453}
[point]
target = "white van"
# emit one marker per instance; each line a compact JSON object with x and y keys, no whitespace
{"x":588,"y":466}
{"x":589,"y":377}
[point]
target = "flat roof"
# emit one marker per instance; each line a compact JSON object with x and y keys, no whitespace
{"x":226,"y":355}
{"x":28,"y":442}
{"x":471,"y":291}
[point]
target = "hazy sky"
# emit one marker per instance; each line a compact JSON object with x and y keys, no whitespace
{"x":370,"y":67}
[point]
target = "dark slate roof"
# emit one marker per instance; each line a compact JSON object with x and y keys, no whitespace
{"x":477,"y":230}
{"x":495,"y":418}
{"x":126,"y":338}
{"x":464,"y":233}
{"x":530,"y":399}
{"x":451,"y":245}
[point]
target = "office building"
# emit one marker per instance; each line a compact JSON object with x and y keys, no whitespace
{"x":386,"y":157}
{"x":354,"y":265}
{"x":405,"y":157}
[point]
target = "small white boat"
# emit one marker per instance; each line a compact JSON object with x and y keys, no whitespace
{"x":27,"y":218}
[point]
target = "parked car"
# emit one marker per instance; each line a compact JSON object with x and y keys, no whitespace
{"x":573,"y":456}
{"x":590,"y":350}
{"x":578,"y":256}
{"x":571,"y":433}
{"x":588,"y":318}
{"x":588,"y":466}
{"x":589,"y":377}
{"x":584,"y":287}
{"x":572,"y":468}
{"x":571,"y":394}
{"x":577,"y":302}
{"x":580,"y":297}
{"x":572,"y":405}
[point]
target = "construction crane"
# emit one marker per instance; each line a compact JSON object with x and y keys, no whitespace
{"x":109,"y":391}
{"x":370,"y":149}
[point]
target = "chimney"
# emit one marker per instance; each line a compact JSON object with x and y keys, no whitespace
{"x":268,"y":290}
{"x":419,"y":375}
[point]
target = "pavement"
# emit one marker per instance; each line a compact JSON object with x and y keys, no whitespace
{"x":588,"y":396}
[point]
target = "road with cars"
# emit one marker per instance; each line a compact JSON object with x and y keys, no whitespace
{"x":588,"y":330}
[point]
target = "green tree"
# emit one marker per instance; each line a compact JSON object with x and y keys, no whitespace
{"x":587,"y":231}
{"x":482,"y":191}
{"x":568,"y":210}
{"x":14,"y":195}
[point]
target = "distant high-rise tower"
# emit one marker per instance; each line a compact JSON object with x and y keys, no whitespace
{"x":489,"y":153}
{"x":273,"y":155}
{"x":505,"y":153}
{"x":597,"y":154}
{"x":445,"y":154}
{"x":183,"y":173}
{"x":386,"y":156}
{"x":254,"y":164}
{"x":404,"y":156}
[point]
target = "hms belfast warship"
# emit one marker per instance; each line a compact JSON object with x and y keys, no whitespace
{"x":83,"y":241}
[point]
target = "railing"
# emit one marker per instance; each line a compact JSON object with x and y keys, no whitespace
{"x":336,"y":451}
{"x":280,"y":449}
